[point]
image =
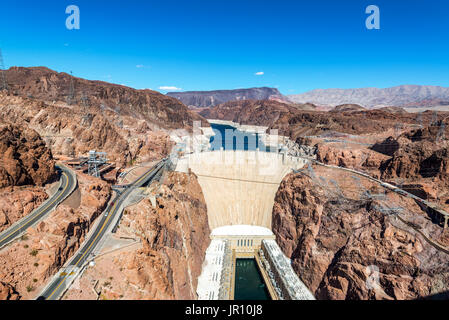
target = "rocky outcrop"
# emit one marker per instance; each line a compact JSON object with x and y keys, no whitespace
{"x":25,"y":158}
{"x":358,"y":159}
{"x":347,"y":108}
{"x":70,"y":132}
{"x":205,"y":99}
{"x":417,"y":154}
{"x":252,"y":112}
{"x":344,"y":247}
{"x":27,"y":264}
{"x":7,"y":292}
{"x":174,"y":231}
{"x":18,"y":202}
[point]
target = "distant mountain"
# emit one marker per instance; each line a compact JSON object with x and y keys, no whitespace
{"x":205,"y":99}
{"x":252,"y":112}
{"x":401,"y":96}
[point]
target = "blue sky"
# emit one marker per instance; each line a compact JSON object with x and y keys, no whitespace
{"x":216,"y":44}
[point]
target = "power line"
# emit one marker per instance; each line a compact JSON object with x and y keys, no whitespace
{"x":3,"y":83}
{"x":71,"y":95}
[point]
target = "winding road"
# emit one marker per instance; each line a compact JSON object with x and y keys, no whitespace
{"x":63,"y":279}
{"x":67,"y":185}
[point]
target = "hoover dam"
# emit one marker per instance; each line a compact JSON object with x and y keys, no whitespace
{"x":239,"y":188}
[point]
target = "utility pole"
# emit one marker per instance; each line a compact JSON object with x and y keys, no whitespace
{"x":3,"y":83}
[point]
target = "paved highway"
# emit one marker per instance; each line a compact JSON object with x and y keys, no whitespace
{"x":63,"y":279}
{"x":66,"y":187}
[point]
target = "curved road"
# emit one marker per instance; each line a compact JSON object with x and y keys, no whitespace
{"x":66,"y":187}
{"x":62,"y":281}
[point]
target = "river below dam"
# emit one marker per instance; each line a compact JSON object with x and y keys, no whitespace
{"x":249,"y":284}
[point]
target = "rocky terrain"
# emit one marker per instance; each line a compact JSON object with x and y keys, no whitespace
{"x":174,"y":233}
{"x":68,"y":131}
{"x":18,"y":202}
{"x":27,"y":264}
{"x":43,"y":84}
{"x":75,"y":115}
{"x":206,"y":99}
{"x":406,"y":95}
{"x":26,"y":166}
{"x":253,"y":112}
{"x":25,"y":160}
{"x":419,"y":160}
{"x":302,"y":120}
{"x":346,"y":245}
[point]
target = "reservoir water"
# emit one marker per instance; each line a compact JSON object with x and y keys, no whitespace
{"x":249,"y":284}
{"x":232,"y":139}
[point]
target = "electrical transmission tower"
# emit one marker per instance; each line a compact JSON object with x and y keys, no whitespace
{"x":86,"y":115}
{"x":71,"y":96}
{"x":96,"y":160}
{"x":3,"y":83}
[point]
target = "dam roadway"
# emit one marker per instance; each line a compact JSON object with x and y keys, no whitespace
{"x":63,"y":279}
{"x":67,"y":185}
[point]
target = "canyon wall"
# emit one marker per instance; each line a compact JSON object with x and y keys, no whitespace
{"x":26,"y":165}
{"x":25,"y":160}
{"x":28,"y":263}
{"x":206,"y":99}
{"x":174,"y":233}
{"x":343,"y":246}
{"x":46,"y":85}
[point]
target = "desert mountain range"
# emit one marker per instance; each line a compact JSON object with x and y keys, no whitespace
{"x":401,"y":96}
{"x":204,"y":99}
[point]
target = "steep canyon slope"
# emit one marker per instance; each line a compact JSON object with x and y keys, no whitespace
{"x":27,"y":264}
{"x":26,"y":166}
{"x":345,"y":245}
{"x":174,"y":235}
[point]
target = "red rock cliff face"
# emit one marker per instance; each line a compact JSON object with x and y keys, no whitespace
{"x":174,"y":234}
{"x":47,"y":85}
{"x":345,"y":248}
{"x":70,"y":132}
{"x":26,"y":265}
{"x":17,"y":202}
{"x":25,"y":158}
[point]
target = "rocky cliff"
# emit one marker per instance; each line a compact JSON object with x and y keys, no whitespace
{"x":175,"y":235}
{"x":343,"y":246}
{"x":25,"y":160}
{"x":70,"y":132}
{"x":205,"y":99}
{"x":27,"y":265}
{"x":253,"y":112}
{"x":50,"y":86}
{"x":18,"y":202}
{"x":299,"y":120}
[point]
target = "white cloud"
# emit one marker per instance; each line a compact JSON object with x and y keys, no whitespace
{"x":260,"y":73}
{"x":140,"y":66}
{"x":169,"y":88}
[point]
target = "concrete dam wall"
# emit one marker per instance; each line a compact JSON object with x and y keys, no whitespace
{"x":239,"y":186}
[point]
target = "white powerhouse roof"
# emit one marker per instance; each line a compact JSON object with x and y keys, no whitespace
{"x":241,"y":230}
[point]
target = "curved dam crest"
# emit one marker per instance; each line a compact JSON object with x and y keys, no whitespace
{"x":239,"y":186}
